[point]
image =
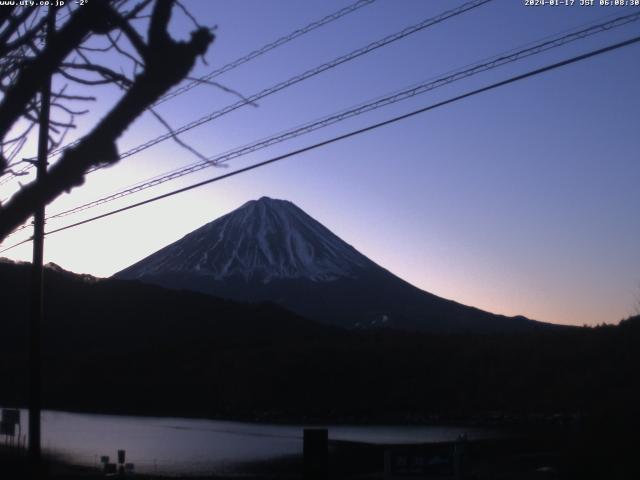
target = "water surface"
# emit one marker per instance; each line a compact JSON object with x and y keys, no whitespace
{"x":172,"y":446}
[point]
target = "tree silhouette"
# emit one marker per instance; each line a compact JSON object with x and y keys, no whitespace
{"x":158,"y":62}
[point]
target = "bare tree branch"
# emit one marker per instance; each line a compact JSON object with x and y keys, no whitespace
{"x":165,"y":62}
{"x":176,"y":138}
{"x":30,"y":78}
{"x":107,"y":74}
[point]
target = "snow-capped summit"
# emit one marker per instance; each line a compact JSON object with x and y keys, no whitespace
{"x":262,"y":240}
{"x":270,"y":250}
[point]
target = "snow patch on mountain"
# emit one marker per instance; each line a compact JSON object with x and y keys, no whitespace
{"x":263,"y":240}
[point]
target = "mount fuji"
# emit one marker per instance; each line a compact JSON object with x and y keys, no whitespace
{"x":271,"y":250}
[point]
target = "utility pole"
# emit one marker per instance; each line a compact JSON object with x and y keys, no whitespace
{"x":35,"y":321}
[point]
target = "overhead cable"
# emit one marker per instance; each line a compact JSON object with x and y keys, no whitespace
{"x":355,"y":111}
{"x":396,"y":119}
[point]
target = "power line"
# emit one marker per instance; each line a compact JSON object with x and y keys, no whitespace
{"x":424,"y":87}
{"x":303,"y":76}
{"x":267,"y":48}
{"x":239,"y":61}
{"x":296,"y":79}
{"x":306,"y":75}
{"x":509,"y":52}
{"x":493,"y":86}
{"x":17,"y":244}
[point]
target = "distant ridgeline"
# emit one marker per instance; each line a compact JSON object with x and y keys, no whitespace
{"x":270,"y":250}
{"x":123,"y":346}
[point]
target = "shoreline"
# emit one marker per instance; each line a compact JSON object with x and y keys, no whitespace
{"x":489,"y":420}
{"x":348,"y":460}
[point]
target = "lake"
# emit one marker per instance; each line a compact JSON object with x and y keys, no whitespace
{"x":172,"y":446}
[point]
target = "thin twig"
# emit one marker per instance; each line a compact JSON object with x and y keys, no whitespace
{"x":176,"y":138}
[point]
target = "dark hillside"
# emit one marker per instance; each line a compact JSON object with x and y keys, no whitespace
{"x":122,"y":346}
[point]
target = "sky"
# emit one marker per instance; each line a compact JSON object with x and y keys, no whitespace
{"x":520,"y":201}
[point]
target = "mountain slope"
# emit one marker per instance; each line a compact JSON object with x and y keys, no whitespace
{"x":261,"y":241}
{"x":270,"y":250}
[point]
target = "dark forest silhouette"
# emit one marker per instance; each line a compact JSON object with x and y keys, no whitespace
{"x":125,"y":347}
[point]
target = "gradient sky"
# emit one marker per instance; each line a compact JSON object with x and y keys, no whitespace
{"x":523,"y":200}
